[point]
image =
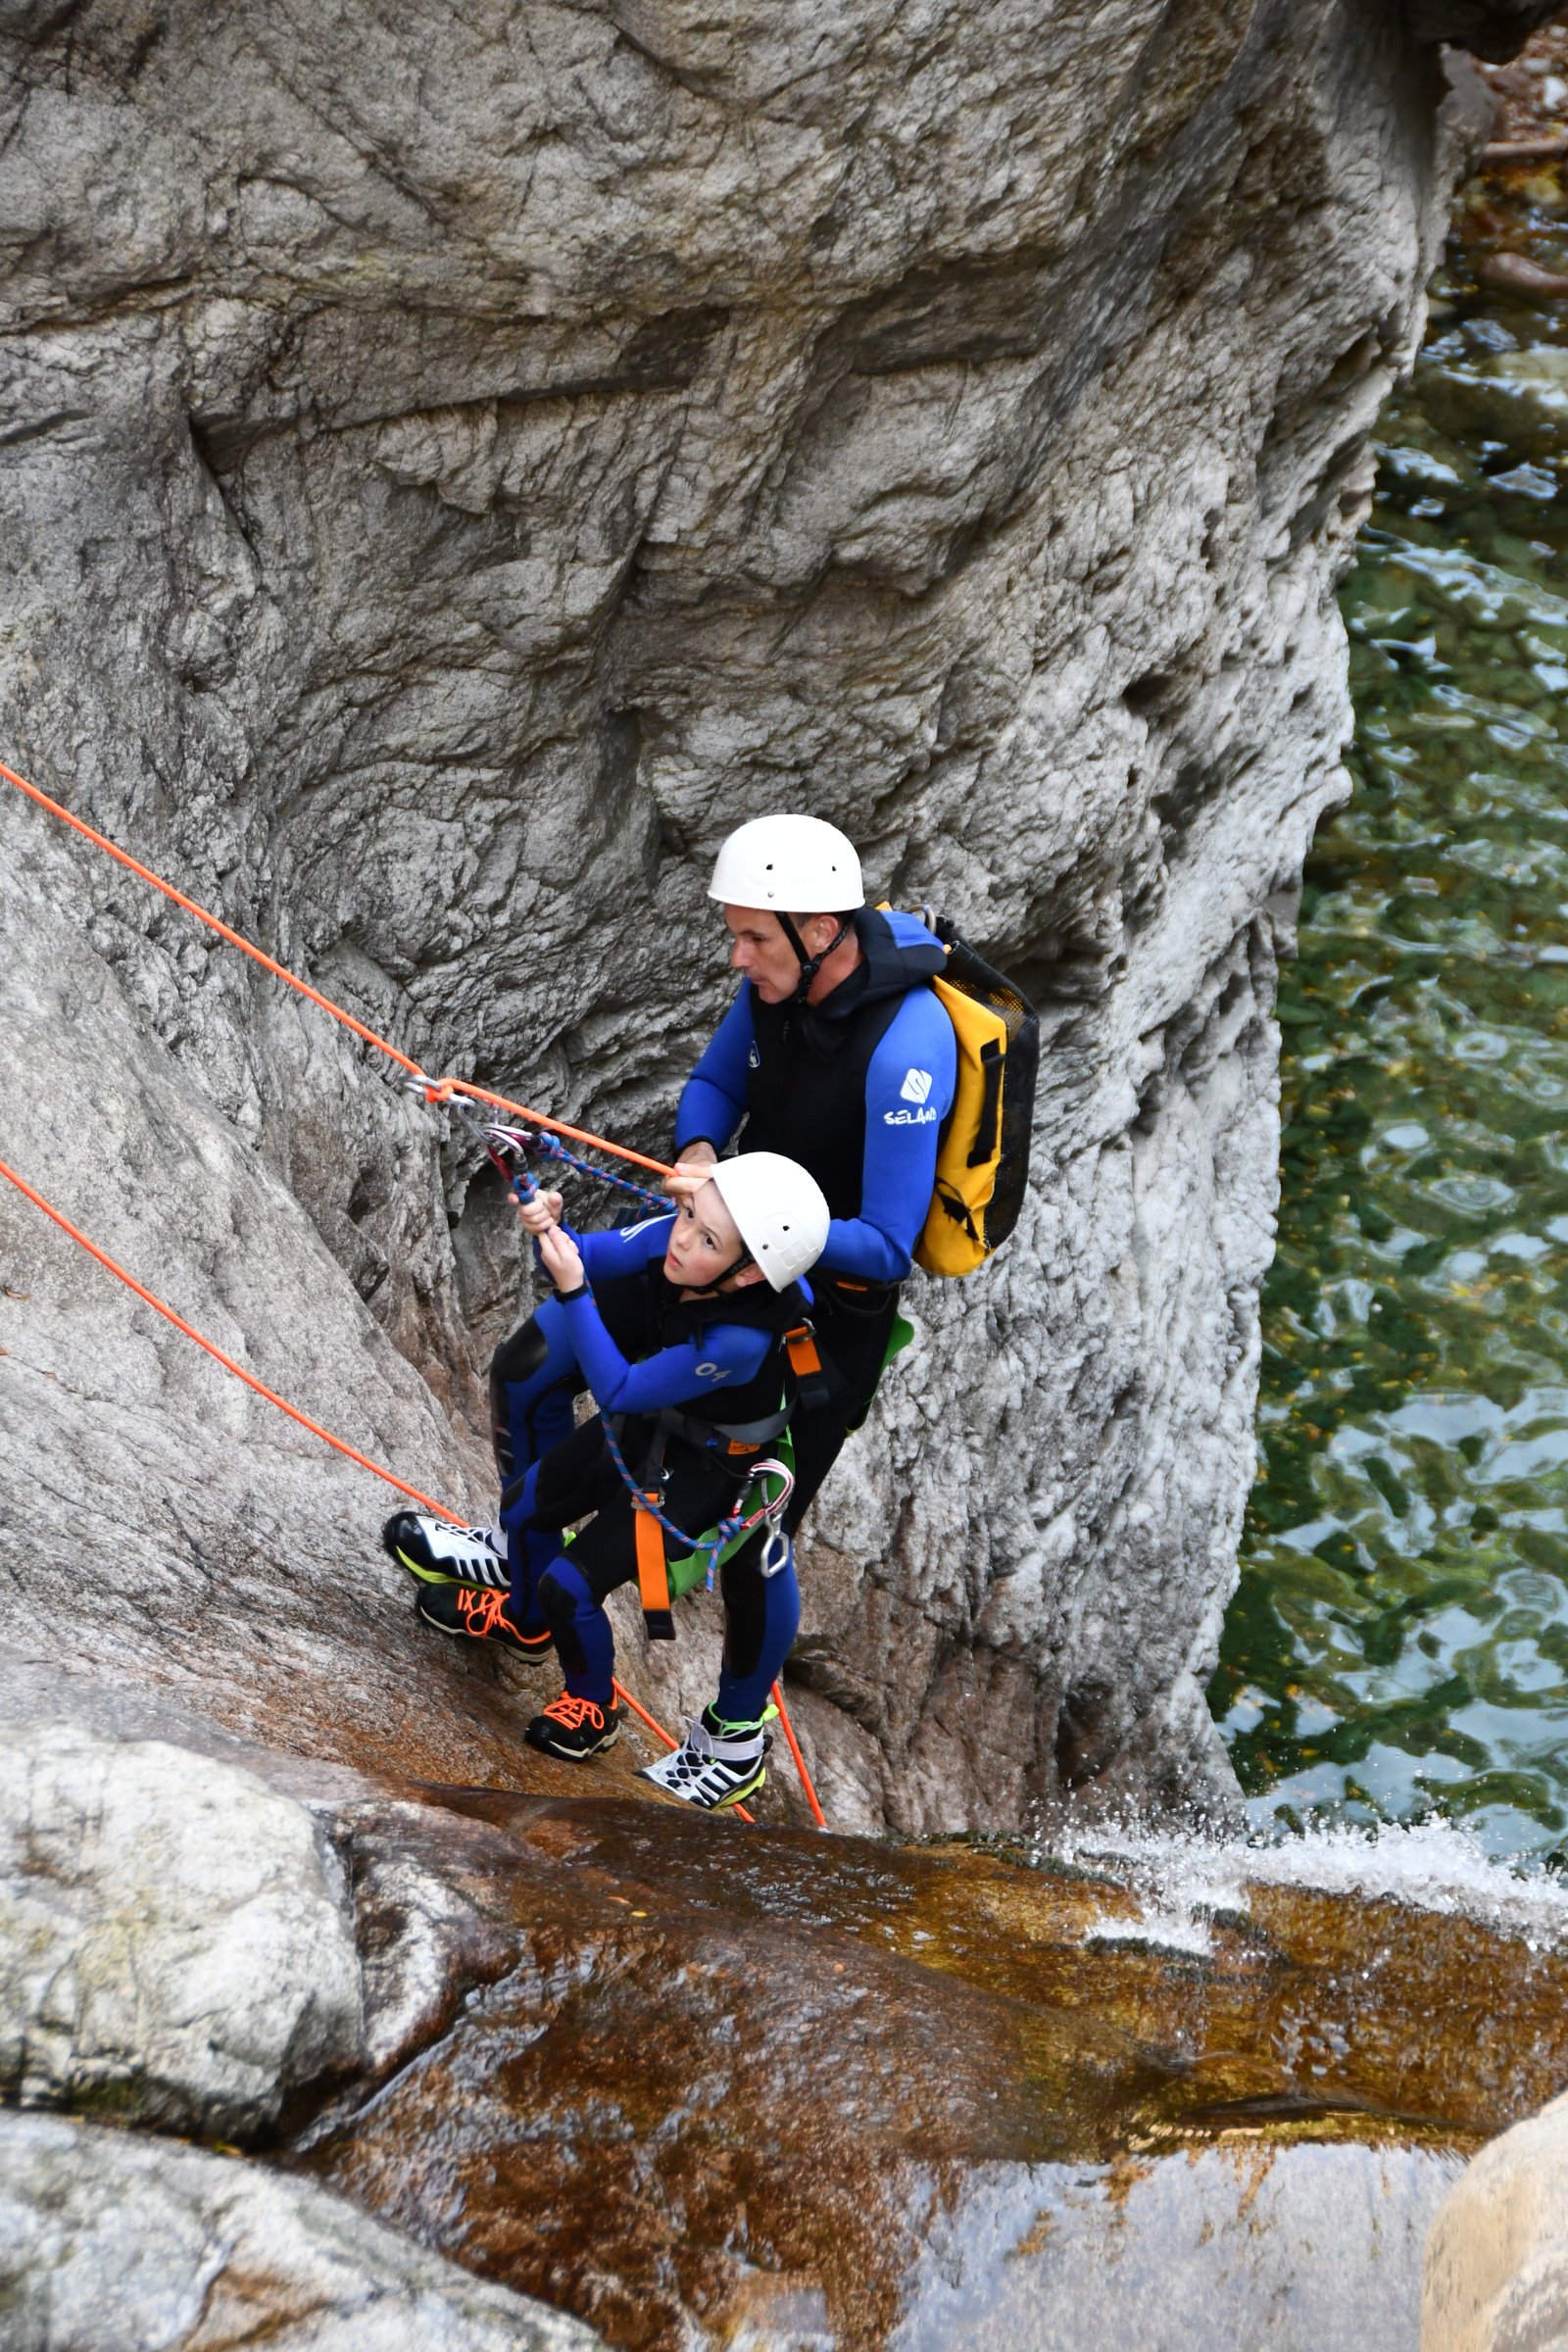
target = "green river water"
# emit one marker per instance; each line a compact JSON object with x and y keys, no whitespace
{"x":1398,"y":1644}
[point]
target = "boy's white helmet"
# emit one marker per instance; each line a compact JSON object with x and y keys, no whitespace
{"x":780,"y":1212}
{"x":793,"y":865}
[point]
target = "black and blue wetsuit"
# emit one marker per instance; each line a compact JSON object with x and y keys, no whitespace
{"x":856,"y":1089}
{"x":696,"y":1379}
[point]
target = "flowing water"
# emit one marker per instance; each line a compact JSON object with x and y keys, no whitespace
{"x":1399,"y":1645}
{"x":778,"y":2092}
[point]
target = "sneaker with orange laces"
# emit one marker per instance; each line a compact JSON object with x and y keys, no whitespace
{"x":480,"y":1613}
{"x":574,"y":1727}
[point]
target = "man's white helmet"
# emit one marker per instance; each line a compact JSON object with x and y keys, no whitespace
{"x":780,"y":1212}
{"x":793,"y":865}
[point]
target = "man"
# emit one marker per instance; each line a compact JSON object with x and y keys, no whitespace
{"x":837,"y":1051}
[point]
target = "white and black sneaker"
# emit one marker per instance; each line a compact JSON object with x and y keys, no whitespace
{"x":716,"y":1764}
{"x":439,"y":1552}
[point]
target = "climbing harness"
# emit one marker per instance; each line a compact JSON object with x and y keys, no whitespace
{"x":662,"y":1580}
{"x":446,"y":1091}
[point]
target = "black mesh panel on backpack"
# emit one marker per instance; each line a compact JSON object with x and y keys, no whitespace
{"x":970,"y":971}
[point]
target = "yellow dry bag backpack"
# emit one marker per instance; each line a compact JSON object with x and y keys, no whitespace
{"x":983,"y":1154}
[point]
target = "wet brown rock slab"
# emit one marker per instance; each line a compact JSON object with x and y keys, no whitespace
{"x":671,"y":2072}
{"x":664,"y":2093}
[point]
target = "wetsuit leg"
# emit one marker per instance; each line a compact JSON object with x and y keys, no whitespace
{"x":855,"y":1342}
{"x":603,"y":1555}
{"x":576,"y":1477}
{"x":533,"y":1378}
{"x":762,"y":1618}
{"x":584,"y":1643}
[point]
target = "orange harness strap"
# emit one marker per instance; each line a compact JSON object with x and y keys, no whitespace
{"x":652,"y":1577}
{"x":805,"y":1362}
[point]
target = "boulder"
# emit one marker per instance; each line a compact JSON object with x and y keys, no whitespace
{"x":110,"y":2242}
{"x":1496,"y":2262}
{"x":174,"y":1943}
{"x":1260,"y":2247}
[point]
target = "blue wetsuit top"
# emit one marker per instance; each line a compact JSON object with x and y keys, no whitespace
{"x":723,"y":1357}
{"x":909,"y":1092}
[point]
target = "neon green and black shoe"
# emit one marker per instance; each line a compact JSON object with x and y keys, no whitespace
{"x":439,"y":1552}
{"x":716,"y":1764}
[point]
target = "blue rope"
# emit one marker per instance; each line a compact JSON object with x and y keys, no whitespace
{"x":554,"y":1149}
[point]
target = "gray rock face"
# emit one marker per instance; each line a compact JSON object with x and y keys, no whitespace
{"x":113,"y":2243}
{"x":1493,"y":28}
{"x":1279,"y":2249}
{"x":173,"y":1948}
{"x":455,"y":470}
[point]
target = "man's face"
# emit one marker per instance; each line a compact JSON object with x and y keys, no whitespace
{"x":759,"y":950}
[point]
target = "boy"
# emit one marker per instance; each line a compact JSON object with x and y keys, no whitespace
{"x":677,"y":1328}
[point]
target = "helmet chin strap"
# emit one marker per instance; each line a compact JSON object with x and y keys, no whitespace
{"x":706,"y":1290}
{"x":811,"y":965}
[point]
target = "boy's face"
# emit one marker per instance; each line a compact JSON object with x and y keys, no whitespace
{"x":703,"y":1242}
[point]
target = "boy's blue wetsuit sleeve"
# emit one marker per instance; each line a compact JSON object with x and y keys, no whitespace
{"x":729,"y":1353}
{"x":624,"y":1249}
{"x":908,"y":1092}
{"x":713,"y":1101}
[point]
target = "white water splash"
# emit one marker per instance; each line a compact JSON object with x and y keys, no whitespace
{"x":1181,"y":1880}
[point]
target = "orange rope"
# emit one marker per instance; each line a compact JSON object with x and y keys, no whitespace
{"x":338,"y":1444}
{"x":436,"y":1088}
{"x":817,"y":1814}
{"x":246,"y":947}
{"x":280,"y":971}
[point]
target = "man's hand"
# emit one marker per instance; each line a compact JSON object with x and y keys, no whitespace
{"x":541,"y":1212}
{"x":692,"y":1172}
{"x":560,"y":1258}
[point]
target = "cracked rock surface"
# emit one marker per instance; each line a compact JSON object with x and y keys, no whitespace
{"x":173,"y":1949}
{"x":113,"y":2243}
{"x":697,"y":2083}
{"x":455,"y":467}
